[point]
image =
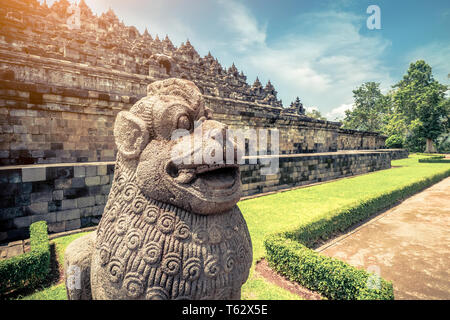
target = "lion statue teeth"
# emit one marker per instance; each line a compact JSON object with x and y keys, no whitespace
{"x":169,"y":230}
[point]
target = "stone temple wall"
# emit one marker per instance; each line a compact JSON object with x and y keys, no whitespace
{"x":67,"y":196}
{"x":43,"y":123}
{"x":49,"y":123}
{"x":298,"y":133}
{"x":303,"y":169}
{"x":73,"y":195}
{"x":60,"y":89}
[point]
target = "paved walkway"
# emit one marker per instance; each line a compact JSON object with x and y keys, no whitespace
{"x":408,"y":244}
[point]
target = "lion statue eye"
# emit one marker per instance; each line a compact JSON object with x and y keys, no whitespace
{"x":184,"y":123}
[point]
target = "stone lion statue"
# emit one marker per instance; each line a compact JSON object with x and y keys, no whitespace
{"x":169,"y":230}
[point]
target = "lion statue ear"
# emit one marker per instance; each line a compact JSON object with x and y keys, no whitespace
{"x":131,"y":134}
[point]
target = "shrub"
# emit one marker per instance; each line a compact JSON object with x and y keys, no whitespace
{"x":31,"y":267}
{"x":331,"y":277}
{"x":289,"y":254}
{"x":395,"y":141}
{"x":435,"y":159}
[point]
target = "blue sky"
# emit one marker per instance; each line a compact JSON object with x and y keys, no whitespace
{"x":317,"y":50}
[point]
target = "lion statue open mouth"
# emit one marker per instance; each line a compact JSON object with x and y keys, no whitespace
{"x":170,"y":229}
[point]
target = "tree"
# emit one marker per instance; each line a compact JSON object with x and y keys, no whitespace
{"x":421,"y":102}
{"x":443,"y":140}
{"x":395,"y":128}
{"x":370,"y":108}
{"x":313,"y":113}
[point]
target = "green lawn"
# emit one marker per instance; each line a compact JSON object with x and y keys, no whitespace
{"x":287,"y":210}
{"x":292,"y":209}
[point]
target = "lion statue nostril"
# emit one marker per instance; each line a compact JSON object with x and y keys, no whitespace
{"x":172,"y":170}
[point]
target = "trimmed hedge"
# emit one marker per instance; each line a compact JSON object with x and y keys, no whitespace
{"x":437,"y":159}
{"x":333,"y":278}
{"x":28,"y":268}
{"x":288,"y":252}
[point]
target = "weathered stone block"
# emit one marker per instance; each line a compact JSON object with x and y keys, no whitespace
{"x":41,"y":196}
{"x":10,"y":213}
{"x":68,"y":204}
{"x":92,"y":181}
{"x":105,"y":189}
{"x":42,"y":186}
{"x":57,"y":227}
{"x":74,"y":193}
{"x":100,"y":200}
{"x":67,"y":215}
{"x":91,"y":171}
{"x":73,"y":224}
{"x":101,"y":170}
{"x":58,"y":195}
{"x":22,"y":199}
{"x":65,"y":172}
{"x":33,"y":174}
{"x":48,"y":217}
{"x":4,"y":154}
{"x":78,"y":182}
{"x":19,"y":129}
{"x":85,"y":202}
{"x":97,"y":210}
{"x":104,"y":180}
{"x":86,"y":212}
{"x":37,"y":208}
{"x":22,"y":222}
{"x":63,"y":183}
{"x":79,"y":171}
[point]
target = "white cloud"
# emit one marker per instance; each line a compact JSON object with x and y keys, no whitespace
{"x":339,"y":112}
{"x":247,"y":31}
{"x":322,"y":66}
{"x":309,"y":109}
